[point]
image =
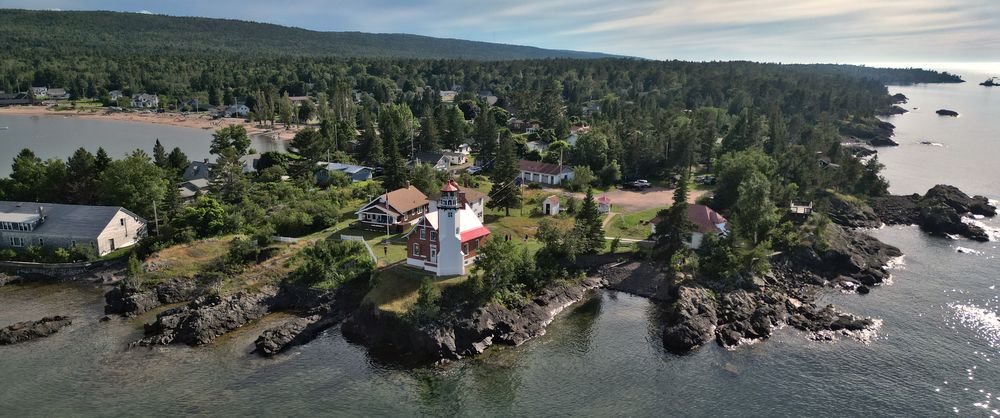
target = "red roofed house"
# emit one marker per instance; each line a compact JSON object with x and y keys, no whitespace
{"x":706,"y":221}
{"x":398,"y":209}
{"x":447,"y":240}
{"x":544,"y":173}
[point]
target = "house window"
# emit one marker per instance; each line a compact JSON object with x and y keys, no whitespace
{"x":416,"y":250}
{"x":111,"y":244}
{"x":16,"y":242}
{"x":434,"y":252}
{"x":40,"y":241}
{"x":123,"y":221}
{"x":465,"y":248}
{"x":434,"y":236}
{"x":423,"y":233}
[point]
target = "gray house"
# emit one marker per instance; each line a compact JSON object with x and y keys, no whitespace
{"x":355,"y":172}
{"x":103,"y":228}
{"x":438,"y":160}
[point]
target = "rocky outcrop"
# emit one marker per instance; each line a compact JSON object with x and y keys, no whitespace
{"x":129,"y":300}
{"x":208,"y":317}
{"x":637,"y":278}
{"x":845,"y":258}
{"x":691,"y":319}
{"x":464,"y":333}
{"x":946,"y":112}
{"x":899,"y":98}
{"x":890,"y":111}
{"x":827,"y":322}
{"x":280,"y":338}
{"x":849,"y":211}
{"x":30,"y":330}
{"x":748,"y":316}
{"x":941,"y":211}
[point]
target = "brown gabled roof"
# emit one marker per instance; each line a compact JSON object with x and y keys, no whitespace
{"x":406,"y":199}
{"x":540,"y":167}
{"x":705,"y":218}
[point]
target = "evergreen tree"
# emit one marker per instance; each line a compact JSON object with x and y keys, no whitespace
{"x":177,"y":161}
{"x":754,"y":215}
{"x":674,"y":230}
{"x":395,"y":168}
{"x":428,"y":138}
{"x":213,"y":96}
{"x":372,"y":149}
{"x":454,"y":128}
{"x":232,"y":136}
{"x":485,"y":135}
{"x":588,"y":225}
{"x":505,"y":192}
{"x":102,"y":160}
{"x":159,"y":154}
{"x":82,"y":179}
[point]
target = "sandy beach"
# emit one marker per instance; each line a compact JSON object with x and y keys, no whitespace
{"x":192,"y":120}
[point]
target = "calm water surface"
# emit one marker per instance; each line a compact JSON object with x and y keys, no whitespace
{"x":937,"y":353}
{"x":59,"y":136}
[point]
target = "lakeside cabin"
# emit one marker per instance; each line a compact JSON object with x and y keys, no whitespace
{"x":397,"y":210}
{"x":446,"y":241}
{"x":356,"y":173}
{"x":706,"y":221}
{"x":51,"y":225}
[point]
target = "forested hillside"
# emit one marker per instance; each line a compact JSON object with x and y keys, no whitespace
{"x":111,"y":33}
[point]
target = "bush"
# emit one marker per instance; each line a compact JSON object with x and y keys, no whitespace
{"x":427,"y":307}
{"x":329,"y":264}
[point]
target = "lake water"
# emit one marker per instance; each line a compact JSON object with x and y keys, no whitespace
{"x":60,"y":136}
{"x":936,"y":355}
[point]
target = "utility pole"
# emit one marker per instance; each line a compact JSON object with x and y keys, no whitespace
{"x":156,"y":218}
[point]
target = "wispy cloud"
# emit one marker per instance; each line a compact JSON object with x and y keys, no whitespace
{"x":774,"y":30}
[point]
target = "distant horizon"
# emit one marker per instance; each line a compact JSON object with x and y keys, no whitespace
{"x":812,"y":31}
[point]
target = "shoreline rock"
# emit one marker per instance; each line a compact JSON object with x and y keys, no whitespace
{"x":461,"y":334}
{"x":946,"y":112}
{"x":207,"y":318}
{"x":30,"y":330}
{"x":128,"y":300}
{"x":939,"y":212}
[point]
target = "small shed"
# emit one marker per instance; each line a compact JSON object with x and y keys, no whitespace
{"x":550,"y":206}
{"x":604,"y":204}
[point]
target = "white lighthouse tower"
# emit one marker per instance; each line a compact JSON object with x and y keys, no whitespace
{"x":451,"y":259}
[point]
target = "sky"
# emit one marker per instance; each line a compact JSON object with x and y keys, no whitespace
{"x":842,"y":31}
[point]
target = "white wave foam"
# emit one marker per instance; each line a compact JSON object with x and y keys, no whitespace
{"x":967,"y":251}
{"x":992,"y":232}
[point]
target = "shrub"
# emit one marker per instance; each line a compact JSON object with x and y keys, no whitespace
{"x":329,"y":264}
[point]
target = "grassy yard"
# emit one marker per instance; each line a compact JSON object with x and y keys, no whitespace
{"x":376,"y":239}
{"x":396,"y":287}
{"x":186,"y":260}
{"x":634,"y":225}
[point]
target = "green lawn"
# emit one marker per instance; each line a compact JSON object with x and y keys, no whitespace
{"x":396,"y":287}
{"x":634,"y":225}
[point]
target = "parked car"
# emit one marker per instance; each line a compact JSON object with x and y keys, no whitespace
{"x":474,"y":169}
{"x":637,"y":185}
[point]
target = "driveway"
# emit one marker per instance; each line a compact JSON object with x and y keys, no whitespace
{"x":625,"y":201}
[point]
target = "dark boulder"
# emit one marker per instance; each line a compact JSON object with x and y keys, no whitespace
{"x":849,"y":211}
{"x":940,"y":219}
{"x":691,"y":320}
{"x":890,"y":111}
{"x":883,"y":142}
{"x":30,"y":330}
{"x":961,"y":202}
{"x":940,"y":211}
{"x":207,"y":317}
{"x":946,"y":112}
{"x":129,"y":300}
{"x":278,"y":339}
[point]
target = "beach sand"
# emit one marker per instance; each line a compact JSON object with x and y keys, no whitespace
{"x":192,"y":120}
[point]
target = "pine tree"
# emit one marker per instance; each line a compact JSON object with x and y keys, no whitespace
{"x":505,"y":193}
{"x":159,"y":154}
{"x":371,"y":151}
{"x":589,"y":226}
{"x":485,"y":135}
{"x":427,"y":140}
{"x":101,"y":160}
{"x":675,"y":229}
{"x":395,"y":168}
{"x":177,"y":161}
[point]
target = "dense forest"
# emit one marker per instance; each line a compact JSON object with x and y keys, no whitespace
{"x":110,"y":33}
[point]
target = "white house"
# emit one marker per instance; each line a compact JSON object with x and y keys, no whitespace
{"x":550,"y":206}
{"x":706,"y":221}
{"x":439,"y":161}
{"x":446,"y":241}
{"x":236,"y":110}
{"x":115,"y":94}
{"x":544,"y":173}
{"x":39,"y":91}
{"x":145,"y":100}
{"x":50,"y":225}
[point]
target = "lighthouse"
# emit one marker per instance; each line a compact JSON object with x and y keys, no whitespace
{"x":451,"y":259}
